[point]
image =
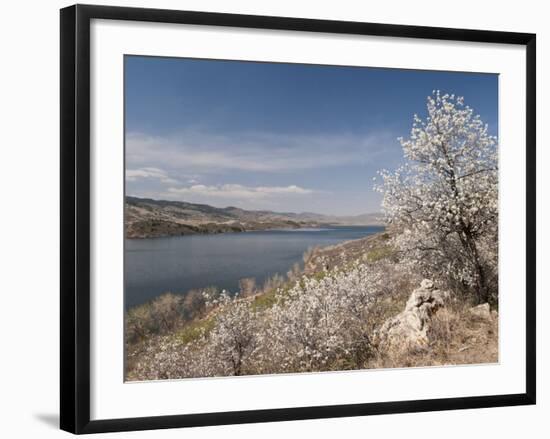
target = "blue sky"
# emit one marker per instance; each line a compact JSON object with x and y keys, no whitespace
{"x":283,"y":137}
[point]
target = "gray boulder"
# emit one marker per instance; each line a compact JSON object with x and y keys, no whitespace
{"x":409,"y":329}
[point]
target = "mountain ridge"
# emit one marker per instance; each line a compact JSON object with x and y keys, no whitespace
{"x":147,"y":217}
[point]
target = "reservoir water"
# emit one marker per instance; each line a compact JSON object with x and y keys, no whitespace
{"x":181,"y":263}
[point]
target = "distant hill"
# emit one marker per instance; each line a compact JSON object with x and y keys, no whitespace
{"x":145,"y":218}
{"x":365,"y":219}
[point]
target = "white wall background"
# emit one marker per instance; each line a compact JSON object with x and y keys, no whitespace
{"x":29,"y":200}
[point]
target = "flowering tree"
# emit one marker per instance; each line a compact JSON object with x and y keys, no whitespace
{"x":445,"y":198}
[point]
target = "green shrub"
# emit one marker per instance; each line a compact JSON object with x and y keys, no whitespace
{"x":379,"y":253}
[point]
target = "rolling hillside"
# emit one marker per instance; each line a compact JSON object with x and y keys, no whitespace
{"x":147,"y":218}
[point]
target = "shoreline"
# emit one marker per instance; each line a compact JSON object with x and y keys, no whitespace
{"x":222,"y":230}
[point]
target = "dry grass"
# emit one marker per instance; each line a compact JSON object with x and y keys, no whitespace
{"x":456,"y":336}
{"x":369,"y":249}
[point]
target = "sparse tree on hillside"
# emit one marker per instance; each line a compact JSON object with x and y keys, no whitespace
{"x":247,"y":286}
{"x":445,"y":198}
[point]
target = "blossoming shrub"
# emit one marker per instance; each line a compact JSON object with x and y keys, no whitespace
{"x":318,"y":324}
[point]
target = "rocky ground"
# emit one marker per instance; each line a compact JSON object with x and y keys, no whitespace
{"x":434,"y":330}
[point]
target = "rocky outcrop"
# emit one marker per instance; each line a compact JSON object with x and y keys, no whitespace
{"x":409,"y":329}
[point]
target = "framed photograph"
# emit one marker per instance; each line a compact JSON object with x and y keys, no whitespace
{"x":268,"y":218}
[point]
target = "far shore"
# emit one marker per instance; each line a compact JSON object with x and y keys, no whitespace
{"x":148,"y":218}
{"x":177,"y":229}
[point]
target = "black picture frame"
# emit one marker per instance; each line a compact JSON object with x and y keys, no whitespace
{"x":75,"y":217}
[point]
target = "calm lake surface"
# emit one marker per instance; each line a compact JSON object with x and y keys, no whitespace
{"x":179,"y":264}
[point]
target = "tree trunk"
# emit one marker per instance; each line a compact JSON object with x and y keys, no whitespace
{"x":468,"y":241}
{"x":481,"y":279}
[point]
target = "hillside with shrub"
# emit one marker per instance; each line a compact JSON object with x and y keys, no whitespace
{"x":422,"y":293}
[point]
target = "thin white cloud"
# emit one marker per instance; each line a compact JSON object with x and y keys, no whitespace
{"x":199,"y":152}
{"x":149,"y":173}
{"x":237,"y":191}
{"x":218,"y":169}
